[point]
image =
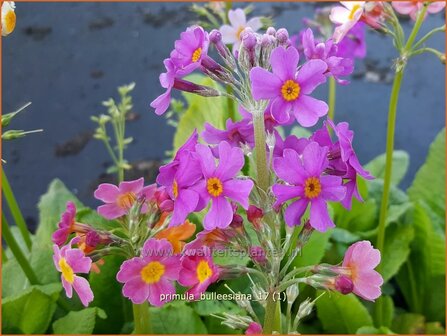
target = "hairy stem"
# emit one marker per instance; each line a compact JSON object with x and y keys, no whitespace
{"x":270,"y":312}
{"x":331,"y":97}
{"x":15,"y":210}
{"x":262,"y":170}
{"x":142,"y":319}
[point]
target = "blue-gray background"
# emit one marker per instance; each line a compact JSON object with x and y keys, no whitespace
{"x":68,"y":57}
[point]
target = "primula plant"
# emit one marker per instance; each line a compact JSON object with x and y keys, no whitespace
{"x":280,"y":223}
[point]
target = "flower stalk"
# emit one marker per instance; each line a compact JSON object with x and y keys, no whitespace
{"x":331,"y":97}
{"x":142,"y":319}
{"x":15,"y":210}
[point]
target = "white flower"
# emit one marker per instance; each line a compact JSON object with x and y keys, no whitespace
{"x":346,"y":17}
{"x":232,"y":34}
{"x":8,"y":17}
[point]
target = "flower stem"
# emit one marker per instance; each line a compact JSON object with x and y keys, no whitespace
{"x":142,"y":319}
{"x":230,"y":103}
{"x":260,"y":151}
{"x":270,"y":314}
{"x":17,"y":252}
{"x":15,"y":210}
{"x":331,"y":97}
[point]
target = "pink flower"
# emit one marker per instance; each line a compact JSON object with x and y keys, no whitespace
{"x":346,"y":17}
{"x":120,"y":199}
{"x":152,"y":274}
{"x":68,"y":225}
{"x":307,"y":184}
{"x":231,"y":34}
{"x":220,"y":185}
{"x":69,"y":262}
{"x":198,"y":271}
{"x":254,"y":329}
{"x":235,"y":133}
{"x":289,"y":89}
{"x":360,"y":260}
{"x":412,"y":8}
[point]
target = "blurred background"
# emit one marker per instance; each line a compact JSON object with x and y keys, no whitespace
{"x":66,"y":58}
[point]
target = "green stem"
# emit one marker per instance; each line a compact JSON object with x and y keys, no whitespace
{"x":428,"y":35}
{"x":260,"y":151}
{"x":17,"y":252}
{"x":230,"y":103}
{"x":142,"y":319}
{"x":4,"y":256}
{"x":15,"y":210}
{"x":331,"y":98}
{"x":270,"y":313}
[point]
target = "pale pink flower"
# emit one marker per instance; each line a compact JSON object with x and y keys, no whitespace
{"x":346,"y":17}
{"x":231,"y":34}
{"x":412,"y":8}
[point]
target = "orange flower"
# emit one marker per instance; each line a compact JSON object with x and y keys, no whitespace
{"x":177,"y":235}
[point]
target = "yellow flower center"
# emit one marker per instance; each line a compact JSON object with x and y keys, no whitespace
{"x":239,"y":32}
{"x":152,"y":272}
{"x":125,"y":201}
{"x":9,"y":22}
{"x":175,"y":189}
{"x":214,"y":186}
{"x":204,"y":271}
{"x":354,"y":9}
{"x":67,"y":271}
{"x":196,"y":55}
{"x":290,"y":90}
{"x":312,"y":187}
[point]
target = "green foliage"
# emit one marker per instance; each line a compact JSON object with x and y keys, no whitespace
{"x":200,"y":110}
{"x":401,"y":161}
{"x":342,"y":314}
{"x":374,"y":331}
{"x":176,"y":318}
{"x":31,"y":311}
{"x":387,"y":306}
{"x":78,"y":322}
{"x":206,"y":307}
{"x":313,"y":251}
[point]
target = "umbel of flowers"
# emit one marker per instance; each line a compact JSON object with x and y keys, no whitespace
{"x":272,"y":78}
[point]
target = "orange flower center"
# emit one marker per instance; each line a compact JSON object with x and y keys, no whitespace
{"x":312,"y":187}
{"x":354,"y":9}
{"x":239,"y":32}
{"x":152,"y":272}
{"x":125,"y":201}
{"x":196,"y":55}
{"x":214,"y":186}
{"x":175,"y":189}
{"x":204,"y":271}
{"x":290,"y":90}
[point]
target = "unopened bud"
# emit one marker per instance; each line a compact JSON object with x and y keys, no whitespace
{"x":292,"y":293}
{"x":254,"y":216}
{"x":282,"y":35}
{"x":257,"y":254}
{"x":271,"y":31}
{"x":344,"y":284}
{"x":305,"y":308}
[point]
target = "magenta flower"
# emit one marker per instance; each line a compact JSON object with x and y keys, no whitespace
{"x":120,"y":199}
{"x":68,"y":225}
{"x":412,"y":8}
{"x":342,"y":158}
{"x":152,"y":274}
{"x":288,"y":89}
{"x":359,"y":261}
{"x":291,"y":142}
{"x":198,"y":272}
{"x":269,"y":121}
{"x":167,"y":79}
{"x":328,"y":53}
{"x":69,"y":262}
{"x":178,"y":177}
{"x":220,"y":185}
{"x":189,"y":50}
{"x":254,"y":328}
{"x":353,"y":44}
{"x":235,"y":133}
{"x":306,"y":184}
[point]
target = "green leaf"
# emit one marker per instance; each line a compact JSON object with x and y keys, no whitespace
{"x":434,"y":328}
{"x":176,"y":318}
{"x":207,"y":307}
{"x":313,"y":251}
{"x":401,"y":161}
{"x":422,"y":278}
{"x":342,"y":314}
{"x":374,"y":331}
{"x":409,"y":324}
{"x":300,"y":132}
{"x":200,"y":110}
{"x":396,"y":249}
{"x":31,"y":311}
{"x":78,"y":322}
{"x":344,"y":236}
{"x":108,"y":296}
{"x":386,"y":303}
{"x":51,"y":206}
{"x":429,"y":183}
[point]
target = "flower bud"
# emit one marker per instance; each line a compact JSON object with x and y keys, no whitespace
{"x":344,"y":284}
{"x":282,"y":35}
{"x":271,"y":31}
{"x":292,"y":293}
{"x":254,"y":216}
{"x":190,"y":87}
{"x":305,"y":308}
{"x":216,"y":38}
{"x":257,"y":254}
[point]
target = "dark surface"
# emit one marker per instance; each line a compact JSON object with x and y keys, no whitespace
{"x":68,"y":57}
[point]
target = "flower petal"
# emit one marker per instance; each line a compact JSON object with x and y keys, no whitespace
{"x":265,"y":85}
{"x":111,"y":211}
{"x":238,"y":190}
{"x":295,"y":211}
{"x":82,"y":287}
{"x":311,"y":75}
{"x":319,"y":216}
{"x":220,"y":214}
{"x":107,"y":192}
{"x":308,"y":110}
{"x":284,"y":63}
{"x":231,"y":161}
